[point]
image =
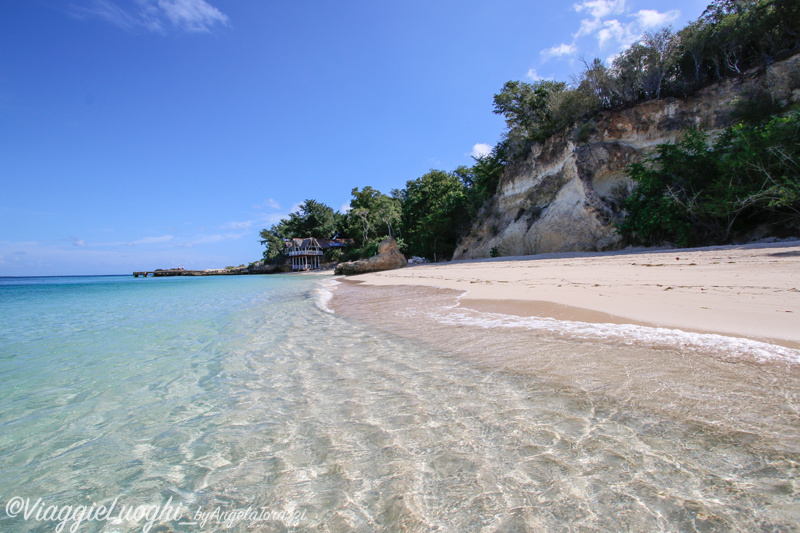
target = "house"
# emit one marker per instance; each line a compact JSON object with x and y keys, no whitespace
{"x":307,"y":254}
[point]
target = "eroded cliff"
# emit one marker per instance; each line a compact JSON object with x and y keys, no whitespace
{"x":567,"y":193}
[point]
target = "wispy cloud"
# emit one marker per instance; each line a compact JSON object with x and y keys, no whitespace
{"x":109,"y":11}
{"x":239,"y":225}
{"x":35,"y":258}
{"x":650,"y":19}
{"x":171,"y":241}
{"x":609,"y":28}
{"x":534,"y":76}
{"x":270,"y":203}
{"x":599,"y":9}
{"x":559,"y":50}
{"x":216,"y":237}
{"x":192,"y":15}
{"x":78,"y":242}
{"x":262,"y":220}
{"x":155,"y":15}
{"x":616,"y":33}
{"x":143,"y":241}
{"x":154,"y":240}
{"x":480,"y":150}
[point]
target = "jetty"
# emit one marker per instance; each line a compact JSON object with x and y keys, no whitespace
{"x":179,"y":272}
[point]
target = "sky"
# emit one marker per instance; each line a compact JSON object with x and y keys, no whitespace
{"x":144,"y":134}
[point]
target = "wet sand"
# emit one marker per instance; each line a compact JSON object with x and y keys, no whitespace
{"x":717,"y":413}
{"x":750,"y":291}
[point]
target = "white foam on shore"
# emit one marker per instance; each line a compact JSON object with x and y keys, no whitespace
{"x":627,"y":334}
{"x":323,"y":294}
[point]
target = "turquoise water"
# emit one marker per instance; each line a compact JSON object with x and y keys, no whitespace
{"x":115,"y":386}
{"x":244,"y":394}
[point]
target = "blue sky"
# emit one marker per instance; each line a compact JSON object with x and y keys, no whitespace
{"x":143,"y":134}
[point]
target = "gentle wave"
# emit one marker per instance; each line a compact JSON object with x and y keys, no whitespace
{"x":323,"y":293}
{"x":628,"y":334}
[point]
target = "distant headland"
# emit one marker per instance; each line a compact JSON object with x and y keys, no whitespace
{"x":258,"y":267}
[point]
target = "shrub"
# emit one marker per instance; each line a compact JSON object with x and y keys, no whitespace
{"x":692,"y":193}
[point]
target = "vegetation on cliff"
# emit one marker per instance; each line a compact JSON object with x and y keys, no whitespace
{"x":689,"y":193}
{"x":730,"y":37}
{"x":693,"y":193}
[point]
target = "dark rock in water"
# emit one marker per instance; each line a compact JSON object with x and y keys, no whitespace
{"x":388,"y":258}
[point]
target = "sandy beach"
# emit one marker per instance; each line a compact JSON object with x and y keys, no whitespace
{"x":748,"y":291}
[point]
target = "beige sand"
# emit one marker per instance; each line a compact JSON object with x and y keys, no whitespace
{"x":750,"y":290}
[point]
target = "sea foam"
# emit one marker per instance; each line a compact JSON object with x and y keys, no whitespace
{"x":628,"y":334}
{"x":323,"y":293}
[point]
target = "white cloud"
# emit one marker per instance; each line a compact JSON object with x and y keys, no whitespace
{"x":560,"y":50}
{"x":650,"y":19}
{"x":534,"y":76}
{"x":480,"y":150}
{"x":156,"y":15}
{"x":588,"y":27}
{"x":345,"y":208}
{"x":614,"y":31}
{"x":601,"y":8}
{"x":78,"y":242}
{"x":192,"y":15}
{"x":612,"y":25}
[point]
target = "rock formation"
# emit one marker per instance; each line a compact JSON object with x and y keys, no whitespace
{"x":388,"y":258}
{"x":567,"y":193}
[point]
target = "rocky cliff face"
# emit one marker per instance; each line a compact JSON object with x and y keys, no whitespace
{"x":565,"y":196}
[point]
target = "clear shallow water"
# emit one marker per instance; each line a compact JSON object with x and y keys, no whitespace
{"x":235,"y":392}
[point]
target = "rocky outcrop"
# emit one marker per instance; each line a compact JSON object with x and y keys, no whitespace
{"x":259,"y":267}
{"x":262,"y":267}
{"x":566,"y":195}
{"x":388,"y":258}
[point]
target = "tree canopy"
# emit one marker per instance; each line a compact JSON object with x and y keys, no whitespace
{"x":730,"y":37}
{"x":312,"y":219}
{"x":372,"y":215}
{"x":435,"y":210}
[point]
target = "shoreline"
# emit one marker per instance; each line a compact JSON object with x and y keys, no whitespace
{"x":750,"y":291}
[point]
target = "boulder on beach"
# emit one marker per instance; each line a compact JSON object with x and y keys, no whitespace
{"x":388,"y":258}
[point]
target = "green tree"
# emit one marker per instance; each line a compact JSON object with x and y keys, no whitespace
{"x":313,"y":219}
{"x":435,"y":211}
{"x":528,"y":107}
{"x":372,"y":215}
{"x":274,"y":243}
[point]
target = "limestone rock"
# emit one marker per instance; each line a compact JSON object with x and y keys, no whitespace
{"x":388,"y":258}
{"x":566,"y":195}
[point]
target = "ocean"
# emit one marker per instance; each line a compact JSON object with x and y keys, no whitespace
{"x":298,"y":403}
